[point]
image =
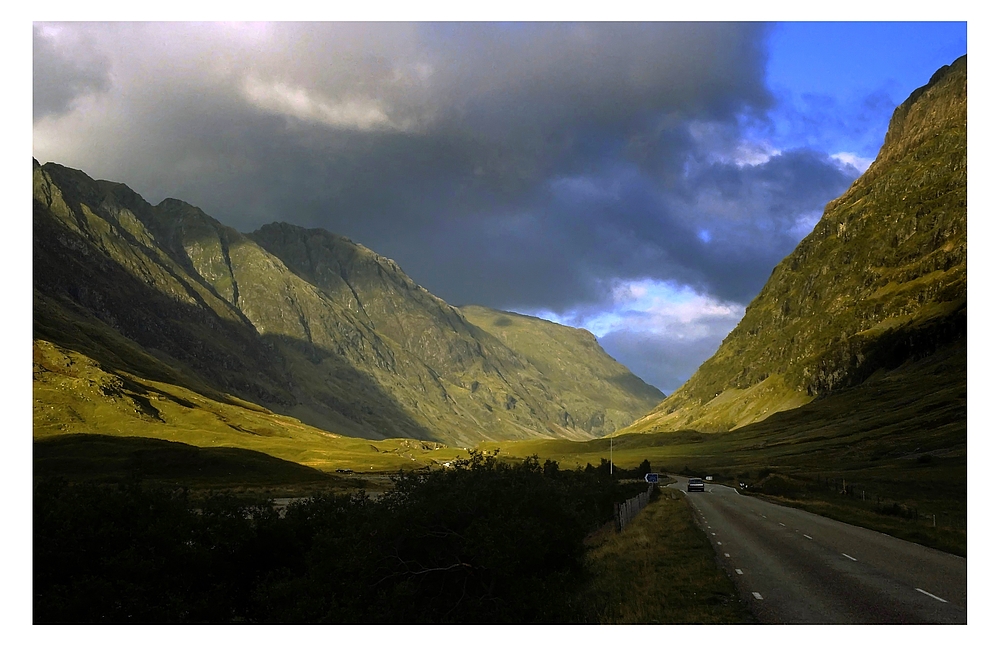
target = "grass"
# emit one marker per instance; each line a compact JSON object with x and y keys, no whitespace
{"x":101,"y":459}
{"x":74,"y":394}
{"x":945,"y":530}
{"x":661,"y":569}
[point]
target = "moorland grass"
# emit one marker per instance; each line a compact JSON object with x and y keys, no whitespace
{"x":71,"y":396}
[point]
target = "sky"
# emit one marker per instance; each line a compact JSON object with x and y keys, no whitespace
{"x":640,"y":180}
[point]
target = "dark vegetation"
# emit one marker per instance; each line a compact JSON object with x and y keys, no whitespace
{"x":484,"y":542}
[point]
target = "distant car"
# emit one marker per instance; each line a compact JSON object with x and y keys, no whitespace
{"x":695,"y":484}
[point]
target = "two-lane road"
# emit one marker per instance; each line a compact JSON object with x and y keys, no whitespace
{"x":792,"y":566}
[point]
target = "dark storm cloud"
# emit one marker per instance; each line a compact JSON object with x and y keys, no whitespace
{"x":750,"y":217}
{"x":523,"y":166}
{"x":59,"y":77}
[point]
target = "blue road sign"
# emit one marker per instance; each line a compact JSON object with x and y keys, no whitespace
{"x":652,"y":478}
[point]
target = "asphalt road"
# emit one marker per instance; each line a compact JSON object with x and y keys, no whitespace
{"x":794,"y":567}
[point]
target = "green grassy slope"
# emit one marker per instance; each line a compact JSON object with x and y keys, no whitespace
{"x":75,"y":394}
{"x":881,"y":278}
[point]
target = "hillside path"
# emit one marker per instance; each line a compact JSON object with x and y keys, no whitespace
{"x":795,"y":567}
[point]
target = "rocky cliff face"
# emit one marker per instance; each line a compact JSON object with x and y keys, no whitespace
{"x":880,"y":280}
{"x":301,"y":322}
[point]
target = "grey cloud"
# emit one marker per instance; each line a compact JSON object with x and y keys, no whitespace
{"x":516,"y":165}
{"x":63,"y":71}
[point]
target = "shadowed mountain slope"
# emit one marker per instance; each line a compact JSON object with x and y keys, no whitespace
{"x":880,"y":280}
{"x":287,"y":320}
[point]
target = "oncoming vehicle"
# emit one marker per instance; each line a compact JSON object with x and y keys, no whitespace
{"x":695,"y":484}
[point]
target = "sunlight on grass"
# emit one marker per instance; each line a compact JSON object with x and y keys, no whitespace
{"x":660,"y":570}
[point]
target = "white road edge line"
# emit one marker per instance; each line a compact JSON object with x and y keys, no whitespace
{"x":808,"y":536}
{"x":719,"y":542}
{"x":756,"y":595}
{"x":739,"y":571}
{"x":848,"y":556}
{"x":782,"y":524}
{"x":932,"y":596}
{"x":727,"y":554}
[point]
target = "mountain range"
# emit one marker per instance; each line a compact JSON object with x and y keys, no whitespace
{"x":285,"y":320}
{"x":162,"y":322}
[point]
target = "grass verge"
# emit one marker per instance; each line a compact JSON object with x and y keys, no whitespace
{"x":660,"y":570}
{"x":925,"y":529}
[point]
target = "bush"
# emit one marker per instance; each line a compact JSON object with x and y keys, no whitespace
{"x":485,"y":542}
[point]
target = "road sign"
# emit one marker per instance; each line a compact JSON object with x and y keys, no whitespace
{"x":652,"y":478}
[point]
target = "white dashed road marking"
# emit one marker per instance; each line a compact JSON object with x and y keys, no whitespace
{"x":808,"y":536}
{"x":739,"y":571}
{"x":756,"y":595}
{"x":782,"y":524}
{"x":713,"y":533}
{"x":932,"y":596}
{"x":727,"y":555}
{"x":848,"y":556}
{"x":719,"y":542}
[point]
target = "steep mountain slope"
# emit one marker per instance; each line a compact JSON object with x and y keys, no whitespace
{"x":298,"y":322}
{"x":880,"y":280}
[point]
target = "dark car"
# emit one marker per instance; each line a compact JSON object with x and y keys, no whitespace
{"x":695,"y":484}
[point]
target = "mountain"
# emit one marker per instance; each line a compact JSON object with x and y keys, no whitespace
{"x":593,"y":385}
{"x":879,"y":283}
{"x":139,"y":307}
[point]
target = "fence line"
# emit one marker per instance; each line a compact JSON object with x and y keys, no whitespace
{"x":625,"y":512}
